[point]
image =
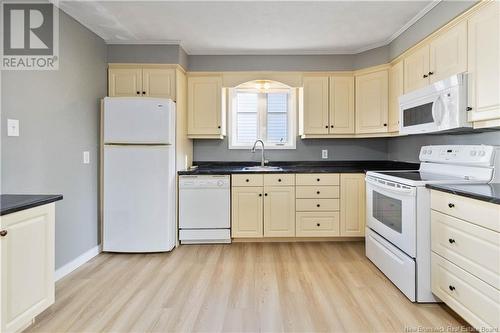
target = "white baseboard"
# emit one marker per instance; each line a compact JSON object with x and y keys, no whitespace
{"x":77,"y":262}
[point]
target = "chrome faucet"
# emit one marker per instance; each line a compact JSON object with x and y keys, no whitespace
{"x":263,"y":160}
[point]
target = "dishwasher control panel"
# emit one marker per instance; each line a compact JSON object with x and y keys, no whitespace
{"x":203,"y":181}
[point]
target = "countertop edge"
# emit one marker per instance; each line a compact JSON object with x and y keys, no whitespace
{"x":35,"y":203}
{"x":463,"y":193}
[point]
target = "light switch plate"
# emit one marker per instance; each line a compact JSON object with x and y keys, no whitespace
{"x":12,"y":127}
{"x":86,"y":157}
{"x":324,"y":154}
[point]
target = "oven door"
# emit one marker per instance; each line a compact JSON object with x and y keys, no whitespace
{"x":391,"y":212}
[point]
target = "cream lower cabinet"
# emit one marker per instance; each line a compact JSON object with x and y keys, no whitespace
{"x":279,"y":211}
{"x":27,"y":266}
{"x":298,"y":205}
{"x":352,"y":204}
{"x":484,"y":66}
{"x":141,"y":80}
{"x":247,"y":212}
{"x":372,"y":102}
{"x":263,"y":211}
{"x":465,"y":243}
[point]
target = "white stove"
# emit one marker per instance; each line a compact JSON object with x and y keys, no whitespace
{"x":398,"y":211}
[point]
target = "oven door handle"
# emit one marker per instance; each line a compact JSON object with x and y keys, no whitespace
{"x":390,"y":188}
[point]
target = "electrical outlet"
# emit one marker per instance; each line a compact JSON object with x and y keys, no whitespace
{"x":86,"y":157}
{"x":12,"y":127}
{"x":324,"y":154}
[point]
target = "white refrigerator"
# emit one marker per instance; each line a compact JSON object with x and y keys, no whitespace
{"x":138,"y":173}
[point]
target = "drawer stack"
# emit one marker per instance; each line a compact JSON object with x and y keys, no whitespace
{"x":317,"y":205}
{"x":465,"y":240}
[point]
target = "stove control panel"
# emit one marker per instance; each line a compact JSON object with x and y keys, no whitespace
{"x":474,"y":155}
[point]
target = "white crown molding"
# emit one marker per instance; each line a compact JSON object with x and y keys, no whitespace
{"x":144,"y":42}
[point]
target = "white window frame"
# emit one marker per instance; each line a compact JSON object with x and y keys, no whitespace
{"x":262,"y":121}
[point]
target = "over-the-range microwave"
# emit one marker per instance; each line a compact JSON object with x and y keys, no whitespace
{"x":439,"y":107}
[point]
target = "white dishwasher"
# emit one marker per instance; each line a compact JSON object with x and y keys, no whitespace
{"x":204,"y":209}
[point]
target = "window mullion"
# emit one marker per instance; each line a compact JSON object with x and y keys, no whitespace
{"x":262,"y":116}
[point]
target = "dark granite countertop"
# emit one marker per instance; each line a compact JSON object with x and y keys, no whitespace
{"x":11,"y":203}
{"x":483,"y":192}
{"x":226,"y":168}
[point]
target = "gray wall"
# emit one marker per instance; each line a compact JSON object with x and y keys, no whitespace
{"x":307,"y":150}
{"x":407,"y":148}
{"x":140,"y":53}
{"x":58,"y":113}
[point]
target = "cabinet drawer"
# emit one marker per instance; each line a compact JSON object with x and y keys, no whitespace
{"x":248,"y":180}
{"x":476,"y":301}
{"x":317,"y":179}
{"x":317,"y":205}
{"x":330,"y":192}
{"x":317,"y":224}
{"x":467,"y":209}
{"x":282,"y":179}
{"x":473,"y":248}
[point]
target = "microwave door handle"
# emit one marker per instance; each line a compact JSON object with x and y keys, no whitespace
{"x":389,"y":188}
{"x":437,"y":111}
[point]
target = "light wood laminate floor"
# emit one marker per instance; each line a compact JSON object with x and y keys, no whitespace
{"x":252,"y":287}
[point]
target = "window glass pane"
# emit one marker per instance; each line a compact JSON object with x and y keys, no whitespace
{"x":277,"y":117}
{"x":246,"y":117}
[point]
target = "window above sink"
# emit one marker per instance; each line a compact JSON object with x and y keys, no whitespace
{"x":263,"y":110}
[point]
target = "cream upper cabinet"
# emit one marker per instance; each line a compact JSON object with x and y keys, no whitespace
{"x":396,"y":89}
{"x":124,"y":82}
{"x":205,"y":114}
{"x":27,"y":266}
{"x":372,"y":99}
{"x":135,"y":80}
{"x":247,"y":214}
{"x":416,"y":69}
{"x":315,"y":117}
{"x":352,"y":204}
{"x":341,"y":105}
{"x":484,"y":63}
{"x":158,"y":82}
{"x":448,"y":53}
{"x":279,"y":211}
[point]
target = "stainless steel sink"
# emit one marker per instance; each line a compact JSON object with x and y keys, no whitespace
{"x":262,"y":168}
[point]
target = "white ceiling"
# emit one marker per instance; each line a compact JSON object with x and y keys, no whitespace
{"x":251,"y":27}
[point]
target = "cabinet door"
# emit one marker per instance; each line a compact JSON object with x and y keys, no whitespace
{"x":204,"y":105}
{"x":341,"y":105}
{"x":279,"y":211}
{"x":416,"y":73}
{"x":315,"y":115}
{"x":448,"y":53}
{"x":484,"y":63}
{"x":27,"y":266}
{"x":124,"y":82}
{"x":158,"y":82}
{"x":247,"y":214}
{"x":372,"y":99}
{"x":352,"y":204}
{"x":396,"y":89}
